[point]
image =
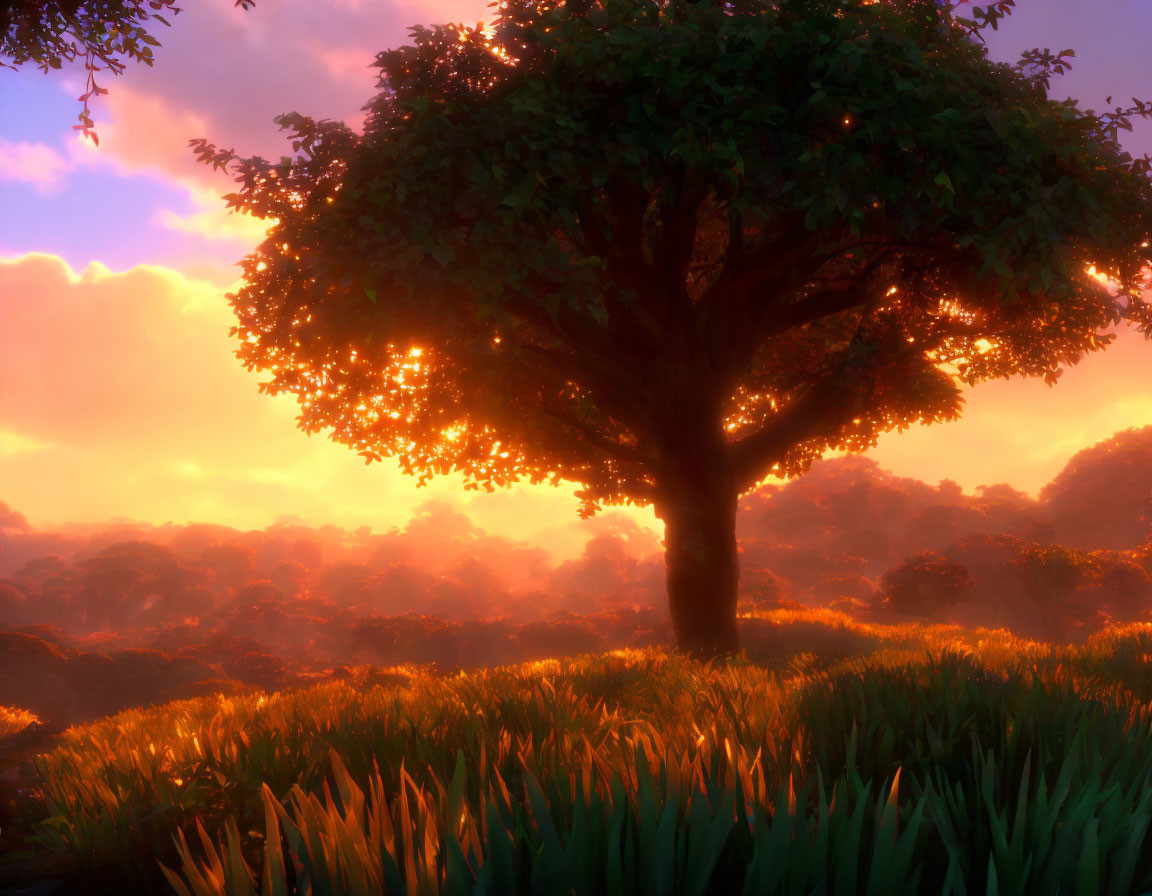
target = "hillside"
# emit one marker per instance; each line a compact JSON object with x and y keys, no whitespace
{"x":898,"y":757}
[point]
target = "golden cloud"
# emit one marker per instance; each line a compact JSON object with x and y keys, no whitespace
{"x":122,"y":398}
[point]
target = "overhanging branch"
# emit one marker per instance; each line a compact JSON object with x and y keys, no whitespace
{"x":826,"y":403}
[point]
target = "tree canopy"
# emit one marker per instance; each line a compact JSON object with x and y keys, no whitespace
{"x":1103,"y":496}
{"x":50,"y":33}
{"x":667,"y":249}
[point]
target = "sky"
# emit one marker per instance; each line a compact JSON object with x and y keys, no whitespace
{"x":120,"y":396}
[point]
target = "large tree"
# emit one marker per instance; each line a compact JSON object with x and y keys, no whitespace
{"x":668,"y":249}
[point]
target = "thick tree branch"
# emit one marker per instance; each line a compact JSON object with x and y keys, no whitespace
{"x":595,"y":237}
{"x":679,"y":219}
{"x":827,"y":302}
{"x":609,"y":397}
{"x":754,"y":297}
{"x":735,"y":237}
{"x":807,"y":416}
{"x":828,"y":402}
{"x":752,"y":285}
{"x":611,"y":350}
{"x":629,"y":205}
{"x":617,"y":235}
{"x":605,"y":443}
{"x":819,"y":305}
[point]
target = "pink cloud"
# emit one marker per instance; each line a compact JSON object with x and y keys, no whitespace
{"x":34,"y":163}
{"x":141,"y":133}
{"x":224,"y":74}
{"x":99,"y":355}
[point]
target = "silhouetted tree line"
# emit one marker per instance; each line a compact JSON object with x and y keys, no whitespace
{"x":95,"y":618}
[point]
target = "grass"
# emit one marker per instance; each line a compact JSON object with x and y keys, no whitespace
{"x":13,"y":720}
{"x":839,"y":755}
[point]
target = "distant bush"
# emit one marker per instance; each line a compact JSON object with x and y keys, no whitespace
{"x":563,"y":635}
{"x":68,"y":686}
{"x":925,"y":585}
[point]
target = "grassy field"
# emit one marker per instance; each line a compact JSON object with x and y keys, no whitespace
{"x":832,"y":757}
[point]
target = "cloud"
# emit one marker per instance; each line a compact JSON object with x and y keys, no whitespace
{"x":33,"y":163}
{"x":13,"y":443}
{"x":98,"y":352}
{"x":143,"y":133}
{"x":224,"y":73}
{"x":121,"y":396}
{"x":146,"y":136}
{"x":212,"y":221}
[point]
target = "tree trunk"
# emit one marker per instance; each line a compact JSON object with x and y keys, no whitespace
{"x":703,"y":570}
{"x":696,"y":491}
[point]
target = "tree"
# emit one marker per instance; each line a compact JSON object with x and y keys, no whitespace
{"x":49,"y":33}
{"x":1122,"y":587}
{"x":667,"y":249}
{"x":128,"y":581}
{"x":925,"y":585}
{"x":1053,"y":575}
{"x":1099,"y":499}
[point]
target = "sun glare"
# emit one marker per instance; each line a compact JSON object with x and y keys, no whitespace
{"x":1098,"y":276}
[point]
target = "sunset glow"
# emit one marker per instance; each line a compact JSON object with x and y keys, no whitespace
{"x":112,"y":290}
{"x":652,"y":395}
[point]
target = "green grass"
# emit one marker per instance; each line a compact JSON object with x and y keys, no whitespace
{"x":837,"y":755}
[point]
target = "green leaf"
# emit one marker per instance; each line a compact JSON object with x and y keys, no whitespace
{"x":499,"y":869}
{"x":1089,"y":866}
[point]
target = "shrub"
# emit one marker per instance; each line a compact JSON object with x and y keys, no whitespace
{"x":925,"y":585}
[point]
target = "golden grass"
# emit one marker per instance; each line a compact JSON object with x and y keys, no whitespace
{"x":117,"y":791}
{"x":14,"y":720}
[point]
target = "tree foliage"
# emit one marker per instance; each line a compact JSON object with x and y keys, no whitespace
{"x":105,"y":34}
{"x":926,"y":584}
{"x":1102,"y":496}
{"x":563,"y":242}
